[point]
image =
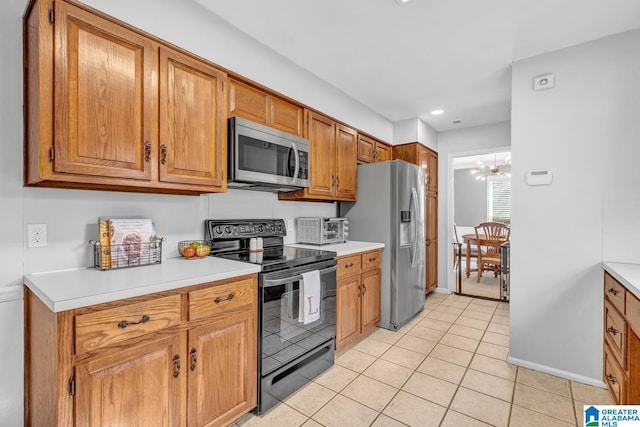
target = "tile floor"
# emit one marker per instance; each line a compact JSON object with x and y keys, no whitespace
{"x":445,"y":368}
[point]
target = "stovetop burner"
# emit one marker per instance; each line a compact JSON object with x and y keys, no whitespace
{"x":230,"y":239}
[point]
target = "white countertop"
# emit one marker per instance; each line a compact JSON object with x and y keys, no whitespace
{"x":69,"y":289}
{"x":347,"y":248}
{"x":627,"y":274}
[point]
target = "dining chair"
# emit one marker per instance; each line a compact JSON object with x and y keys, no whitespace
{"x":473,"y":252}
{"x":489,"y":237}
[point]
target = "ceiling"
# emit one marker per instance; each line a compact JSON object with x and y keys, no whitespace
{"x":403,"y":61}
{"x":489,"y":159}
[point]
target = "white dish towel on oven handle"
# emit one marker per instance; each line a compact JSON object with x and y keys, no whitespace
{"x":309,"y":307}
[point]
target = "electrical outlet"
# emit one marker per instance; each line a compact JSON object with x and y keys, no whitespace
{"x":290,"y":225}
{"x":36,"y":235}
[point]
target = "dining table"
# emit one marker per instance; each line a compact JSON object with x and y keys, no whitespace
{"x":472,"y":239}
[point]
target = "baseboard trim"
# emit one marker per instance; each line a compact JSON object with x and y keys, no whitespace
{"x":557,"y":372}
{"x":10,"y":293}
{"x":442,"y":291}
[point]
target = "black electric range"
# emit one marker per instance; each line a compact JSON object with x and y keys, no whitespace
{"x":291,"y":350}
{"x":230,"y":239}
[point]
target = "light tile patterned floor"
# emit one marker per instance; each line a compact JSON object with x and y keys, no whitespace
{"x":446,"y":368}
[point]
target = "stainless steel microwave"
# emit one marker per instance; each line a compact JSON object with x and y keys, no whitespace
{"x":265,"y":159}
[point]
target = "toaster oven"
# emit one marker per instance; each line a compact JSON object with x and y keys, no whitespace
{"x":322,"y":231}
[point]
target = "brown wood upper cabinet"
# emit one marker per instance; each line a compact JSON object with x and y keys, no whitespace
{"x":107,"y":107}
{"x":371,"y":150}
{"x":261,"y":107}
{"x":333,"y":161}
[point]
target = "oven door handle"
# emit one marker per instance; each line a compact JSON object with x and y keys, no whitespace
{"x":267,"y":283}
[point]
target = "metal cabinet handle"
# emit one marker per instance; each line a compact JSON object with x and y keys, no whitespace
{"x":611,"y":379}
{"x":364,"y":289}
{"x":124,"y":323}
{"x":338,"y":181}
{"x":218,"y":300}
{"x":147,"y":151}
{"x":612,"y":330}
{"x":372,"y":259}
{"x":359,"y":291}
{"x":613,"y":291}
{"x":348,"y":265}
{"x":163,"y":154}
{"x":194,"y":359}
{"x":176,"y":366}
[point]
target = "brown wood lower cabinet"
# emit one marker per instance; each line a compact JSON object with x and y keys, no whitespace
{"x":199,"y":370}
{"x":621,"y":342}
{"x":358,"y":306}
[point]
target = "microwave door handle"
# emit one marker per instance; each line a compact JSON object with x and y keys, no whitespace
{"x":267,"y":283}
{"x":295,"y":154}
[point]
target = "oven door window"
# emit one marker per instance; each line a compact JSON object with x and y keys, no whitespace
{"x":265,"y":157}
{"x":284,"y":338}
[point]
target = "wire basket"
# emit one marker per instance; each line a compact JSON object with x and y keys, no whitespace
{"x":127,"y":255}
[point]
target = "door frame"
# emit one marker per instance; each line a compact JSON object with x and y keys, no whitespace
{"x":451,"y":284}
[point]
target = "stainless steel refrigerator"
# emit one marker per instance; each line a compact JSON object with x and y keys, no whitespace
{"x":390,"y":209}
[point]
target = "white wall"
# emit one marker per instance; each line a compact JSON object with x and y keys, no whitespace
{"x":415,"y":130}
{"x":585,"y":130}
{"x":457,"y":143}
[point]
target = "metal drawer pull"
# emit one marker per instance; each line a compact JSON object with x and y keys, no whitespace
{"x":612,"y":330}
{"x":124,"y":323}
{"x":348,"y":265}
{"x":611,"y":379}
{"x":218,"y":300}
{"x":613,"y":291}
{"x":372,"y":259}
{"x":176,"y":366}
{"x":163,"y":154}
{"x":194,"y":359}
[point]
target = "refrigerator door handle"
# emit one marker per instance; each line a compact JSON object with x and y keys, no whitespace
{"x":413,"y":207}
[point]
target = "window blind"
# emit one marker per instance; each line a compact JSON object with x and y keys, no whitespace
{"x":499,"y":195}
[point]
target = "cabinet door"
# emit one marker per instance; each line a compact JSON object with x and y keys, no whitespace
{"x":383,"y":152}
{"x":247,"y":102}
{"x":222,"y":363}
{"x":348,"y":310}
{"x":423,"y":161}
{"x":366,"y":149}
{"x":322,"y":141}
{"x":286,"y":117}
{"x":346,"y":162}
{"x":192,"y":122}
{"x":105,"y":97}
{"x":432,"y":171}
{"x":431,"y":232}
{"x":144,"y":385}
{"x":370,"y":299}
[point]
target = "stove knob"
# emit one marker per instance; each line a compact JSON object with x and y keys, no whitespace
{"x":273,"y":228}
{"x":279,"y":227}
{"x":227,"y":229}
{"x":218,"y":230}
{"x":260,"y":228}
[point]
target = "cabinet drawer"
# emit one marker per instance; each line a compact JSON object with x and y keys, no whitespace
{"x":348,"y":265}
{"x":614,"y":291}
{"x":371,"y":260}
{"x":110,"y":326}
{"x":633,"y":312}
{"x":614,"y":377}
{"x":615,"y":331}
{"x":218,"y":299}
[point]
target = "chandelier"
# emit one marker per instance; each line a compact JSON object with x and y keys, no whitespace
{"x":484,"y":170}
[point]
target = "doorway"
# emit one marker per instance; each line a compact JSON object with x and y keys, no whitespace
{"x":481,"y":192}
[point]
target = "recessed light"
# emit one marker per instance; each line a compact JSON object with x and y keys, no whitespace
{"x":437,"y":112}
